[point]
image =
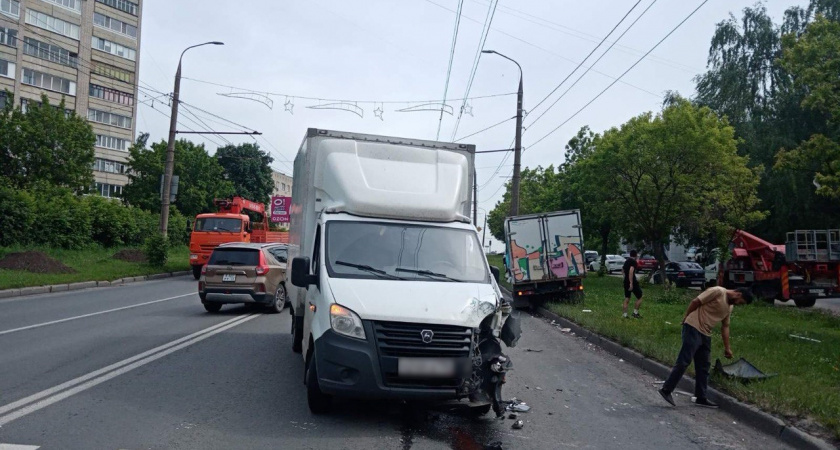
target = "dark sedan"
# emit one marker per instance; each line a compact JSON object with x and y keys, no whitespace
{"x":683,"y":274}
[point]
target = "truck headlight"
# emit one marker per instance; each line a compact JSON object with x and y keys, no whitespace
{"x":193,"y":256}
{"x":346,"y":322}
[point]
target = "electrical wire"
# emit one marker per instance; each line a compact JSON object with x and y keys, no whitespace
{"x":449,"y":69}
{"x":484,"y":129}
{"x":485,"y":31}
{"x":620,"y":76}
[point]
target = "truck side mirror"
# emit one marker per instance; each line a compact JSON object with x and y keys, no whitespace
{"x":248,"y":227}
{"x":300,"y":273}
{"x":495,"y":271}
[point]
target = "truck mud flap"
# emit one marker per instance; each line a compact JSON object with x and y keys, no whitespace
{"x":512,"y":330}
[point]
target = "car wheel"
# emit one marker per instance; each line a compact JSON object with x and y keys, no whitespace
{"x":319,"y":403}
{"x":297,"y":334}
{"x":279,"y":300}
{"x":196,"y":270}
{"x":213,"y":307}
{"x":806,"y":302}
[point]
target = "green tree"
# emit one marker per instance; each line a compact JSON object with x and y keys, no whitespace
{"x":249,"y":169}
{"x":813,"y":59}
{"x":45,"y":145}
{"x":678,"y":169}
{"x":201,"y":177}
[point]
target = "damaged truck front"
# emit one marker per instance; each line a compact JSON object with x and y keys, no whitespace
{"x":392,"y":295}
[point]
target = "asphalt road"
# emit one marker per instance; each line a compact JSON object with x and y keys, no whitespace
{"x":167,"y":375}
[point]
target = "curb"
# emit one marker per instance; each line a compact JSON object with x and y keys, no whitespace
{"x":748,"y":414}
{"x":34,"y":290}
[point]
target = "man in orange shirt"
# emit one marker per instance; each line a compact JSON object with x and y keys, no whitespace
{"x":711,"y":307}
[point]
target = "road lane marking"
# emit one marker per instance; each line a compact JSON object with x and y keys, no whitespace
{"x":53,"y":322}
{"x":55,"y":389}
{"x":18,"y":447}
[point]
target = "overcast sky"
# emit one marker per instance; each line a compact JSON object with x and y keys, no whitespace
{"x":398,"y":50}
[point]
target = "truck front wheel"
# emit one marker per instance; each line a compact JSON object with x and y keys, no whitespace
{"x":297,"y":334}
{"x":196,"y":270}
{"x":805,"y":302}
{"x":319,"y":403}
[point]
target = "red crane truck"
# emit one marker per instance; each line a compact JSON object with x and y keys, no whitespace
{"x":807,"y":266}
{"x":230,"y":224}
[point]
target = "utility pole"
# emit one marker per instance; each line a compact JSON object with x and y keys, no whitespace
{"x":517,"y":155}
{"x":169,"y":168}
{"x":484,"y":230}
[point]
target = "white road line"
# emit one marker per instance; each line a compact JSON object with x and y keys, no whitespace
{"x":115,"y":373}
{"x":18,"y":447}
{"x":45,"y":393}
{"x":53,"y":322}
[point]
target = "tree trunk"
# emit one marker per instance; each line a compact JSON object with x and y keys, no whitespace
{"x":659,"y":252}
{"x":605,"y":236}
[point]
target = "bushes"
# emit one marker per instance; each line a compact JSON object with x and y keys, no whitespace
{"x":55,"y":217}
{"x":157,"y":250}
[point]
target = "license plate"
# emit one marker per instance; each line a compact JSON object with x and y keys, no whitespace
{"x":229,"y":277}
{"x":696,"y":282}
{"x":816,"y":291}
{"x":426,"y":367}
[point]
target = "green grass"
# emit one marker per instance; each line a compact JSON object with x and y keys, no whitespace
{"x":808,"y":381}
{"x":496,"y":260}
{"x":93,"y":264}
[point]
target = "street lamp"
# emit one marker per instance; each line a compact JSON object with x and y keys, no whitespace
{"x":170,"y":147}
{"x":517,"y":155}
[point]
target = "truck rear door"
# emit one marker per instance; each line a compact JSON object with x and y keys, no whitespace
{"x":526,"y":259}
{"x":563,"y":244}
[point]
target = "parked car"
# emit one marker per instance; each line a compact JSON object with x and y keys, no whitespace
{"x":690,"y":254}
{"x":683,"y":274}
{"x":614,"y":264}
{"x":647,"y":262}
{"x":245,"y":273}
{"x":591,"y":255}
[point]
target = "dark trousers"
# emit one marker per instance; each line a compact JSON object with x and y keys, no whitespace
{"x":697,"y":346}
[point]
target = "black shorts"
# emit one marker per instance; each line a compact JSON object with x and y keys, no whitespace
{"x":637,"y":290}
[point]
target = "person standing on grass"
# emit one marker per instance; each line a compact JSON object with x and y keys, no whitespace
{"x":631,"y":284}
{"x":708,"y":309}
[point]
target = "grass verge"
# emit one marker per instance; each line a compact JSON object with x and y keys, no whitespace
{"x":807,"y":388}
{"x":92,"y":264}
{"x":496,"y":260}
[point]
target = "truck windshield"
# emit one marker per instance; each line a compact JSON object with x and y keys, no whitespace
{"x":404,"y":252}
{"x":218,"y":224}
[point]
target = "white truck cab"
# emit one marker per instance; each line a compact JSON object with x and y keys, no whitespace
{"x":393,"y":296}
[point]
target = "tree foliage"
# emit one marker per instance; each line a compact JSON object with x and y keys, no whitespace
{"x":201,"y":177}
{"x":45,"y":145}
{"x":249,"y":169}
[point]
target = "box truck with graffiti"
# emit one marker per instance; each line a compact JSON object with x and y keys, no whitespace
{"x":544,"y":257}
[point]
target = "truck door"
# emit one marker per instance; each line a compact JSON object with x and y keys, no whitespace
{"x":526,"y":259}
{"x":313,"y":292}
{"x":563,"y":244}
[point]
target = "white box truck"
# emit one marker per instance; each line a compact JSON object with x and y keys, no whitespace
{"x":392,"y":295}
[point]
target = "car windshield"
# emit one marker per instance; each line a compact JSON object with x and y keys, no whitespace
{"x":690,"y":265}
{"x":404,"y":252}
{"x":234,"y":257}
{"x":218,"y":224}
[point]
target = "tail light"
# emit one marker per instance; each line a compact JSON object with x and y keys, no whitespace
{"x":200,"y":286}
{"x":681,"y":275}
{"x":262,"y":269}
{"x":204,"y":269}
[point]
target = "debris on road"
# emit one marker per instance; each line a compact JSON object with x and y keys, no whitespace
{"x":742,"y":370}
{"x":566,"y":330}
{"x":513,"y":416}
{"x":496,"y":445}
{"x":518,"y":425}
{"x":539,"y":388}
{"x":804,"y":338}
{"x":587,"y":310}
{"x":516,"y":405}
{"x":532,"y":350}
{"x":620,"y":360}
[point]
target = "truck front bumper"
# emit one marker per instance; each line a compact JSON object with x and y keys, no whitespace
{"x":349,"y":367}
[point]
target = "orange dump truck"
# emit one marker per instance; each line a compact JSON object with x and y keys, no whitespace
{"x":230,"y":224}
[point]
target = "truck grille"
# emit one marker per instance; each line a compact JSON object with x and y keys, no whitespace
{"x":403,"y":339}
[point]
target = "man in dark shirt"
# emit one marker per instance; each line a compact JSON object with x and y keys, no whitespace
{"x":631,"y":284}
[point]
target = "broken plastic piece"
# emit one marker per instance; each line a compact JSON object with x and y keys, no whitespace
{"x":741,"y":370}
{"x":521,"y":407}
{"x":587,"y":310}
{"x":565,"y":330}
{"x":513,"y":416}
{"x":518,"y":425}
{"x":804,"y":338}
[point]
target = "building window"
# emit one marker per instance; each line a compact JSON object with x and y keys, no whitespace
{"x":108,"y":166}
{"x":94,"y":115}
{"x":24,"y":107}
{"x":113,"y":48}
{"x":50,"y":52}
{"x":111,"y":95}
{"x":73,"y":5}
{"x":3,"y":99}
{"x":48,"y":82}
{"x":122,"y":5}
{"x":112,"y":72}
{"x":8,"y":36}
{"x":7,"y":69}
{"x":10,"y":8}
{"x":50,"y":23}
{"x":117,"y":26}
{"x":111,"y":142}
{"x":108,"y":190}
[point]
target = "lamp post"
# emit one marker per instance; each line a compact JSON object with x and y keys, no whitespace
{"x":517,"y":155}
{"x":170,"y":147}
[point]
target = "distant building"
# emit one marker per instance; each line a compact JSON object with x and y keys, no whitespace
{"x":282,"y":184}
{"x":85,"y":52}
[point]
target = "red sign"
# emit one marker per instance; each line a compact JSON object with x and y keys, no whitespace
{"x":280,"y":209}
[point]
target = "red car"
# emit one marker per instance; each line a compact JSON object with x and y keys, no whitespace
{"x":647,"y":262}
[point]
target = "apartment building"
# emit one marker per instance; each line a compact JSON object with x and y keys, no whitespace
{"x":86,"y":52}
{"x":282,"y":184}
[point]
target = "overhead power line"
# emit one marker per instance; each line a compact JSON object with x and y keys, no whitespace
{"x":620,"y":76}
{"x":449,"y":69}
{"x":484,"y":129}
